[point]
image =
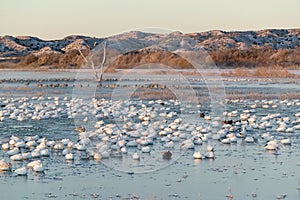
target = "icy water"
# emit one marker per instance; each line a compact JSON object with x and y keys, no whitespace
{"x":243,"y":170}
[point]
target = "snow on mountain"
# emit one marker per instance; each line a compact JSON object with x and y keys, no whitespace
{"x":77,"y":44}
{"x":9,"y":46}
{"x":210,"y":41}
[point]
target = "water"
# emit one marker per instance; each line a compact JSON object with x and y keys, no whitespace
{"x":240,"y":169}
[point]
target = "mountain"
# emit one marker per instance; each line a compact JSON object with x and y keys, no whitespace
{"x":280,"y":47}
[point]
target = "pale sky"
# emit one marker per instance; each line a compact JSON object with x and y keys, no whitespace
{"x":54,"y":19}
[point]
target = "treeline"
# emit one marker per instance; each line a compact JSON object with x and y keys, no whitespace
{"x":73,"y":59}
{"x":229,"y":58}
{"x":257,"y":57}
{"x":146,"y":56}
{"x":54,"y":59}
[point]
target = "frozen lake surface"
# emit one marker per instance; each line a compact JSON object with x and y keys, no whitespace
{"x":241,"y":168}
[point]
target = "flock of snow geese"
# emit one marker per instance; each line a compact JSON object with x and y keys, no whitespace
{"x":122,"y":129}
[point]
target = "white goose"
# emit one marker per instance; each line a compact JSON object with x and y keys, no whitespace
{"x":4,"y":166}
{"x":21,"y":171}
{"x":272,"y":145}
{"x":69,"y":156}
{"x":34,"y":163}
{"x":97,"y":156}
{"x":38,"y":168}
{"x":136,"y":156}
{"x":286,"y":141}
{"x":16,"y":157}
{"x":197,"y":155}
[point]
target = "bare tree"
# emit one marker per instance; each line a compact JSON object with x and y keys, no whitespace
{"x":96,"y":76}
{"x":103,"y":61}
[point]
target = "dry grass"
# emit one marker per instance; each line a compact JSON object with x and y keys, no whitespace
{"x":250,"y":58}
{"x":257,"y":57}
{"x":272,"y":72}
{"x":254,"y":95}
{"x":9,"y":65}
{"x":264,"y":72}
{"x":23,"y":88}
{"x":145,"y":94}
{"x":146,"y":56}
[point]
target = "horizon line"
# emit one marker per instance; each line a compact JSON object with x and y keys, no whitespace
{"x":166,"y":31}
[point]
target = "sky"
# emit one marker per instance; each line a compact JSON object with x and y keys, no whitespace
{"x":55,"y":19}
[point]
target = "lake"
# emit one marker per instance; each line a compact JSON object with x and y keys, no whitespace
{"x":134,"y":107}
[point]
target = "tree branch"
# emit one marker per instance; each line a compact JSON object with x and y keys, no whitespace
{"x":103,"y":61}
{"x":92,"y":64}
{"x":96,"y":76}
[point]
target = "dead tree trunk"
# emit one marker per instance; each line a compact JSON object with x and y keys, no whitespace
{"x":96,"y":76}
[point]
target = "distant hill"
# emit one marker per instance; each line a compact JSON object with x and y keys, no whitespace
{"x":271,"y":47}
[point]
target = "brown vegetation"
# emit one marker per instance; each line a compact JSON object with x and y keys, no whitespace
{"x":252,"y":57}
{"x":71,"y":58}
{"x":254,"y":95}
{"x":257,"y":57}
{"x":266,"y":72}
{"x":145,"y":56}
{"x":146,"y":93}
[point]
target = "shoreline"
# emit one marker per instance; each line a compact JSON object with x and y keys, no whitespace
{"x":219,"y":73}
{"x":121,"y":70}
